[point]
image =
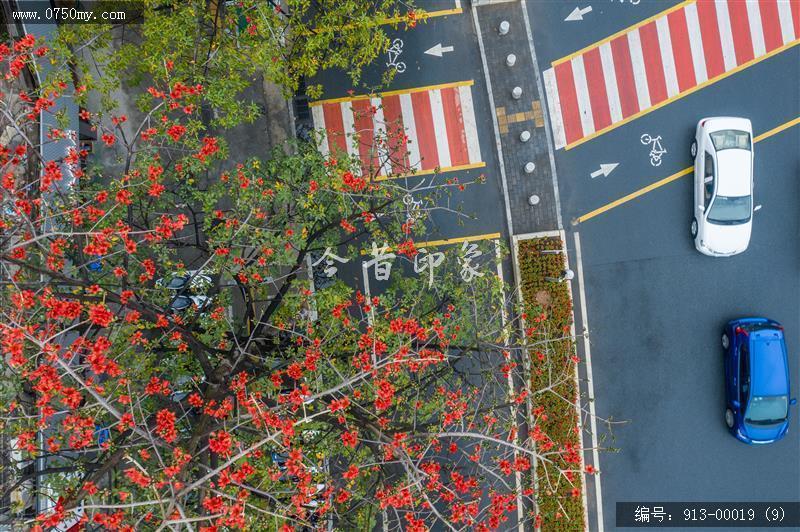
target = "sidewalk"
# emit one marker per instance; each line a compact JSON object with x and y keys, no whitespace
{"x":513,"y":116}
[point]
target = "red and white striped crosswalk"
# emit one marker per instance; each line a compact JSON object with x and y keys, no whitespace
{"x":396,"y":133}
{"x":662,"y":58}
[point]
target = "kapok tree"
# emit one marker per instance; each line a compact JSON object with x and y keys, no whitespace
{"x":273,"y":404}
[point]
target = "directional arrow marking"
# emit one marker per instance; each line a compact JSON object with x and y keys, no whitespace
{"x":605,"y":169}
{"x":438,"y":50}
{"x":578,"y":13}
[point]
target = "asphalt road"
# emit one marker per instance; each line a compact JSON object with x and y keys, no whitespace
{"x":422,"y":70}
{"x":656,"y":307}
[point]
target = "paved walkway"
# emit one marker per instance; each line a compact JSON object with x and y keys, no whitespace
{"x":517,"y":115}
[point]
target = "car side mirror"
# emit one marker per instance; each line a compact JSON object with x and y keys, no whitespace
{"x":793,"y":401}
{"x":708,"y":179}
{"x":702,"y":208}
{"x":757,"y":208}
{"x":736,"y":404}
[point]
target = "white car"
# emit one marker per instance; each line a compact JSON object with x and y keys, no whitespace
{"x":723,"y":186}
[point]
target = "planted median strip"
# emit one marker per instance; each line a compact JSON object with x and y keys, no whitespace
{"x":555,"y":422}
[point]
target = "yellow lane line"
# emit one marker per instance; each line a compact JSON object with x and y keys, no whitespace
{"x":449,"y":241}
{"x":466,"y":83}
{"x":433,"y":171}
{"x":677,"y":175}
{"x":682,"y":94}
{"x":622,"y":32}
{"x":423,"y":16}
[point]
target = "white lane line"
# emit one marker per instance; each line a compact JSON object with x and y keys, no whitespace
{"x":696,"y":43}
{"x":639,"y":72}
{"x":582,"y":90}
{"x":440,"y":128}
{"x":554,"y":107}
{"x":470,"y":124}
{"x":598,"y":492}
{"x":318,"y":114}
{"x":785,"y":16}
{"x":379,"y":145}
{"x":725,"y":34}
{"x":756,"y":31}
{"x":667,"y":56}
{"x":349,"y":128}
{"x":610,"y":75}
{"x":410,"y":125}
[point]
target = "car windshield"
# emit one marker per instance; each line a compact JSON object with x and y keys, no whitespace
{"x":731,"y":139}
{"x":730,"y":210}
{"x":767,"y":410}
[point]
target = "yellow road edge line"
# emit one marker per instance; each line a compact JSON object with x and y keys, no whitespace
{"x":466,"y":83}
{"x":682,"y":94}
{"x":642,"y":191}
{"x":424,"y":16}
{"x":776,"y":130}
{"x":622,"y":32}
{"x":632,"y":195}
{"x":433,"y":171}
{"x":449,"y":241}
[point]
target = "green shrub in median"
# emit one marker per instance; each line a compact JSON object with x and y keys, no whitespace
{"x":553,"y":361}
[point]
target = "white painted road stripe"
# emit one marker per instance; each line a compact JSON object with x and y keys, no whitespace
{"x":639,"y":72}
{"x":785,"y":16}
{"x":470,"y":125}
{"x":410,"y":125}
{"x":318,"y":115}
{"x":610,"y":76}
{"x":667,"y":56}
{"x":582,"y":90}
{"x":598,"y":491}
{"x":696,"y":43}
{"x":554,"y":107}
{"x":440,"y":128}
{"x":349,"y":127}
{"x":756,"y":31}
{"x":379,"y":134}
{"x":725,"y":35}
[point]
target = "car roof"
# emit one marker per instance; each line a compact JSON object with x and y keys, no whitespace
{"x":733,"y":172}
{"x":769,"y":363}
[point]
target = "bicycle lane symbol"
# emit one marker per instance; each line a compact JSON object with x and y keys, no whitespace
{"x":394,"y":52}
{"x":656,"y":149}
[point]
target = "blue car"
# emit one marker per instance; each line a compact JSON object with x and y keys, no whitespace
{"x":756,"y":380}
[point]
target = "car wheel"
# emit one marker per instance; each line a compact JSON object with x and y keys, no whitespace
{"x":694,"y":228}
{"x":693,"y":148}
{"x":726,"y":342}
{"x":729,"y":418}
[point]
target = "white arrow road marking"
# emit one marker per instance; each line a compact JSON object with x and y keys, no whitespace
{"x":605,"y":169}
{"x":438,"y":50}
{"x":578,"y":13}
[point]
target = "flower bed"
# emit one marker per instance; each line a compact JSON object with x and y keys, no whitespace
{"x":548,"y":307}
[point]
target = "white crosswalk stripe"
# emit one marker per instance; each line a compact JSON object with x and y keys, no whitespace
{"x":414,"y":157}
{"x":639,"y":72}
{"x":696,"y":43}
{"x":554,"y":108}
{"x":667,"y":57}
{"x":582,"y":88}
{"x":787,"y":26}
{"x":725,"y":35}
{"x":756,"y":31}
{"x":440,"y":128}
{"x":610,"y":77}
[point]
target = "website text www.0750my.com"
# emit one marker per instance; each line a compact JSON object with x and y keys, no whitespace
{"x":69,"y":14}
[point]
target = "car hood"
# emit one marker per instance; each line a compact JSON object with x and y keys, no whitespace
{"x":764,"y":434}
{"x":726,"y":239}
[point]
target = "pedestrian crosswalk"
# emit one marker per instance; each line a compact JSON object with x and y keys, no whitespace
{"x":661,"y":58}
{"x":420,"y":130}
